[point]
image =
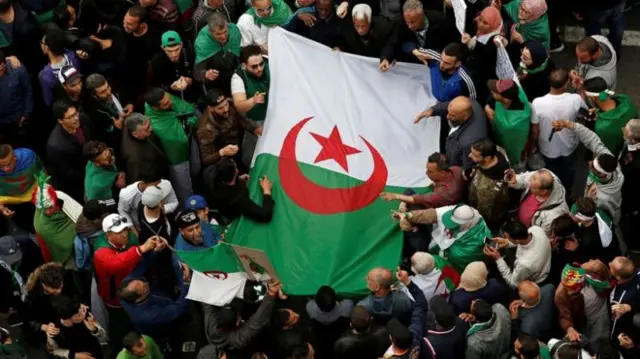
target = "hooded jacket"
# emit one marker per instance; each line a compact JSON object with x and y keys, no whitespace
{"x":552,"y":208}
{"x":87,"y":233}
{"x":492,"y":340}
{"x":609,"y":195}
{"x":608,"y":71}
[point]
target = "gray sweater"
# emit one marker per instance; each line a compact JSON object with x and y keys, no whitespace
{"x":609,"y":194}
{"x":494,"y":341}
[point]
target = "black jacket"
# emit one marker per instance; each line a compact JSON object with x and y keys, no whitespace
{"x":326,"y":32}
{"x":102,"y":116}
{"x":142,"y":156}
{"x":163,"y":72}
{"x":25,"y":40}
{"x":383,"y":37}
{"x":234,"y":201}
{"x":449,"y":343}
{"x":225,"y":62}
{"x":438,"y":35}
{"x":537,"y":85}
{"x":369,"y":345}
{"x":67,"y":163}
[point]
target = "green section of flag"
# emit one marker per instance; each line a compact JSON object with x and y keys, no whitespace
{"x":310,"y":250}
{"x":219,"y":258}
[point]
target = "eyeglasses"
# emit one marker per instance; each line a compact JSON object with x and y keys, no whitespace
{"x":257,"y":66}
{"x":72,"y":116}
{"x":116,"y":222}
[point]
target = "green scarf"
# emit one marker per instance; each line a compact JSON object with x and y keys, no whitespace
{"x":207,"y":47}
{"x":168,"y":128}
{"x":609,"y":124}
{"x":481,"y":326}
{"x":98,"y":181}
{"x":57,"y":232}
{"x":467,"y":248}
{"x":537,"y":29}
{"x":537,"y":69}
{"x":279,"y":17}
{"x":13,"y":350}
{"x":511,"y":128}
{"x":253,"y":85}
{"x":183,"y":5}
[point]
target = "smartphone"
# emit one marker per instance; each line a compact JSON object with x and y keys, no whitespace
{"x":490,"y":242}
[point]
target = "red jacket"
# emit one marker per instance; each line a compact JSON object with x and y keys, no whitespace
{"x":111,"y":267}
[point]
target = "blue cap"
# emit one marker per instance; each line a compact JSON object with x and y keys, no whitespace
{"x":196,"y":202}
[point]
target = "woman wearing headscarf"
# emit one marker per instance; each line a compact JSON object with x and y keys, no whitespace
{"x":530,"y":22}
{"x":474,"y":285}
{"x":481,"y":60}
{"x":534,"y":70}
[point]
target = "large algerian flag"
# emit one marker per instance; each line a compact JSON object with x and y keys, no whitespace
{"x":337,"y":133}
{"x":218,"y":275}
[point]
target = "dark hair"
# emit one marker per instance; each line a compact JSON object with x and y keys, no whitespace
{"x":486,"y":147}
{"x":279,"y":319}
{"x":440,"y":160}
{"x":607,"y":162}
{"x":152,"y":175}
{"x":360,"y":319}
{"x":89,"y":46}
{"x":126,"y":294}
{"x":5,"y":150}
{"x":52,"y":276}
{"x":61,"y":16}
{"x":588,"y":44}
{"x":131,"y":340}
{"x":93,"y":149}
{"x":292,"y":345}
{"x":227,"y":318}
{"x":563,"y":226}
{"x":60,"y":108}
{"x":326,"y":298}
{"x":212,"y":96}
{"x":248,"y":51}
{"x":64,"y":307}
{"x":138,"y":11}
{"x":225,"y":170}
{"x":606,"y":350}
{"x":566,"y":350}
{"x":56,"y":40}
{"x":529,"y":346}
{"x":595,"y":84}
{"x":586,"y":206}
{"x":153,"y":96}
{"x":482,"y":311}
{"x":516,"y":230}
{"x":454,"y":50}
{"x":558,"y":78}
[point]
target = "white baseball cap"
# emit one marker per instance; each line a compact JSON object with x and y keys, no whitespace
{"x":115,"y":223}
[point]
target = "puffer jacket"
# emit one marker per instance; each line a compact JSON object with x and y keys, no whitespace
{"x":609,"y":195}
{"x":554,"y":207}
{"x":492,"y":341}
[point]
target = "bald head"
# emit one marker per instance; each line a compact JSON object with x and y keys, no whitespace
{"x":622,"y":268}
{"x":541,"y":183}
{"x":529,"y":292}
{"x":379,"y":280}
{"x":459,"y":110}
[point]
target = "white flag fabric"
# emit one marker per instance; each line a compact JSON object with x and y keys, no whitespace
{"x":205,"y":289}
{"x":460,"y":13}
{"x":504,"y":68}
{"x":350,"y":93}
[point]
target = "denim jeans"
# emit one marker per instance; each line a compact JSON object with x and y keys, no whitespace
{"x":564,"y":168}
{"x":614,"y":19}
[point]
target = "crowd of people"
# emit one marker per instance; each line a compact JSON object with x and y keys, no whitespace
{"x":127,"y":130}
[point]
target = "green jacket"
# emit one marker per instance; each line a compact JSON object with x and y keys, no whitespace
{"x":169,"y":128}
{"x":153,"y":351}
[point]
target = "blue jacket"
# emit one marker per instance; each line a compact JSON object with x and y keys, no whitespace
{"x":16,"y":96}
{"x":156,"y":316}
{"x":459,"y":84}
{"x":83,"y":250}
{"x":209,"y":239}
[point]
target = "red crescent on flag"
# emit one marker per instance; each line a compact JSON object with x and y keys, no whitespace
{"x":216,"y":275}
{"x":322,"y":200}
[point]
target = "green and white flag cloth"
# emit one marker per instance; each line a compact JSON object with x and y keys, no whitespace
{"x":338,"y":132}
{"x":218,"y":275}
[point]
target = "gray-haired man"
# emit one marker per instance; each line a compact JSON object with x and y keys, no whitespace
{"x":142,"y":152}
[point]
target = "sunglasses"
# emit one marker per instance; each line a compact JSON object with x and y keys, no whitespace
{"x":117,"y":222}
{"x":257,"y":66}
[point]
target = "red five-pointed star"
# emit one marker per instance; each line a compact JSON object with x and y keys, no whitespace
{"x":334,"y":149}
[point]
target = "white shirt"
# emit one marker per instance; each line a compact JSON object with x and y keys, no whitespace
{"x":549,"y":108}
{"x":533,"y":261}
{"x":237,"y":84}
{"x":252,"y":33}
{"x":131,"y":197}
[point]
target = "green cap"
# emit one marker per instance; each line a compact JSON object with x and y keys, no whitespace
{"x":171,"y":38}
{"x":458,"y":215}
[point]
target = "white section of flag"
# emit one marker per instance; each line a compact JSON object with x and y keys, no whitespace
{"x":216,"y":291}
{"x":311,"y":80}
